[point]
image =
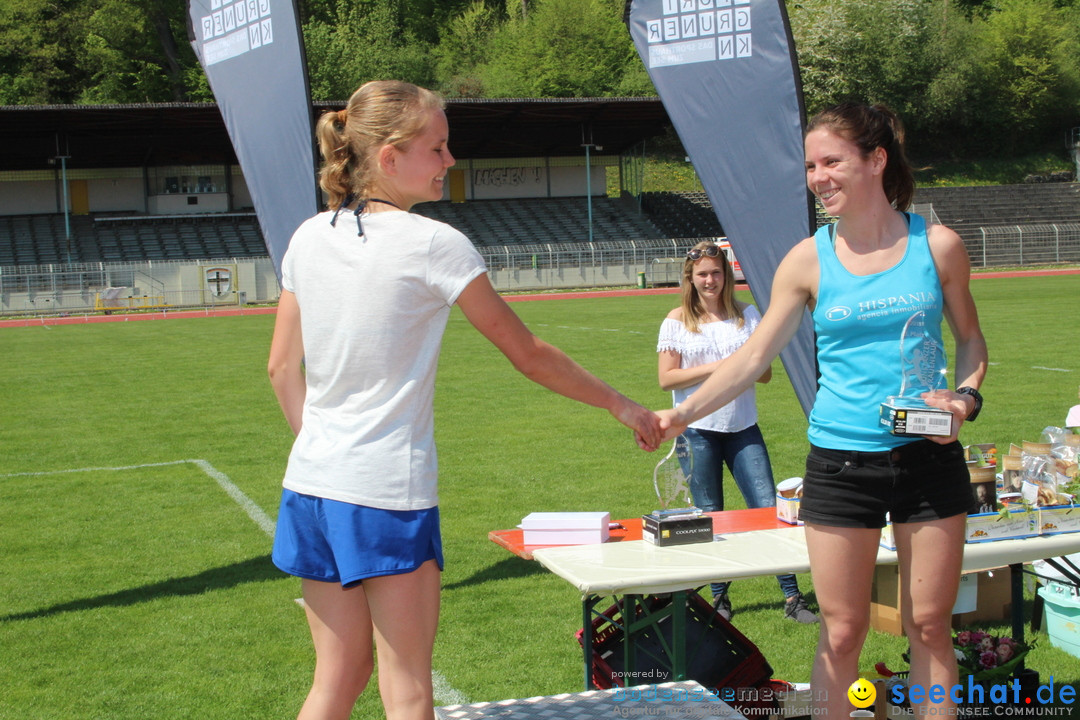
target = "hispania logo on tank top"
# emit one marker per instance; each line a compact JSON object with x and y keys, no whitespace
{"x":899,"y":303}
{"x":879,"y":307}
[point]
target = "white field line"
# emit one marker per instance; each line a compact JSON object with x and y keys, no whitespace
{"x":445,"y":693}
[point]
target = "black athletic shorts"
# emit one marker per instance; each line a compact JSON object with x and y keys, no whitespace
{"x":916,"y":482}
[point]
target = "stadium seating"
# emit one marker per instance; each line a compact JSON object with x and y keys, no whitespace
{"x":43,"y":239}
{"x":543,"y":220}
{"x":516,"y":224}
{"x":686,"y":215}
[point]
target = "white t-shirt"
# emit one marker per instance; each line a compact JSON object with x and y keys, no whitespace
{"x":715,"y":342}
{"x":373,"y":309}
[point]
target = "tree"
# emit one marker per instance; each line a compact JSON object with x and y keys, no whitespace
{"x":39,"y":62}
{"x":960,"y":74}
{"x":95,"y":51}
{"x":350,"y":42}
{"x":133,"y":49}
{"x":1030,"y":53}
{"x":872,"y":52}
{"x":563,"y":48}
{"x":463,"y":47}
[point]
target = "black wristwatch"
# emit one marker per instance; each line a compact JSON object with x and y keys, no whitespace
{"x":966,"y":390}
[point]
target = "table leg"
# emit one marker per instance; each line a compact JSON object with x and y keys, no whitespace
{"x":1016,"y":573}
{"x":588,"y":602}
{"x":678,"y":635}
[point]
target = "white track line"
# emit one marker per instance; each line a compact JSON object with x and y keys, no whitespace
{"x":255,"y":512}
{"x":445,"y":693}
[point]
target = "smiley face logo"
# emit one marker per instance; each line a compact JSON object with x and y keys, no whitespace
{"x":862,"y":693}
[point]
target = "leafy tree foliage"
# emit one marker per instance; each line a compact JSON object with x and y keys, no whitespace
{"x":39,"y":63}
{"x":1030,"y":53}
{"x":350,"y":42}
{"x":562,"y":48}
{"x":962,"y":74}
{"x":95,"y":51}
{"x":463,"y":48}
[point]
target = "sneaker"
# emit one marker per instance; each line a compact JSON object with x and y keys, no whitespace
{"x":796,"y":609}
{"x":722,"y":605}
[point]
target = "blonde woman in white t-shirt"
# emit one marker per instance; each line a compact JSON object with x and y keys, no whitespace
{"x":367,"y":289}
{"x":695,"y":337}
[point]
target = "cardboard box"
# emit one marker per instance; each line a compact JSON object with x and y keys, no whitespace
{"x":787,"y":509}
{"x":993,"y":593}
{"x":566,"y":528}
{"x":1020,"y":523}
{"x":1059,"y":519}
{"x":680,"y":529}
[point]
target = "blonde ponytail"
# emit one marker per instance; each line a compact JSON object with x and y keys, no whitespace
{"x":381,"y":112}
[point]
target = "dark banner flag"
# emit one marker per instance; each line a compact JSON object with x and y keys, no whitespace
{"x":727,"y":75}
{"x":253,"y":55}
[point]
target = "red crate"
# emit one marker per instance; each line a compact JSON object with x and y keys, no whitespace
{"x":718,"y":655}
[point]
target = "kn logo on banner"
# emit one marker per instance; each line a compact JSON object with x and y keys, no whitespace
{"x":232,"y":29}
{"x":692,"y":31}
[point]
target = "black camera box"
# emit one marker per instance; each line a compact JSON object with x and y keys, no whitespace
{"x":663,"y":529}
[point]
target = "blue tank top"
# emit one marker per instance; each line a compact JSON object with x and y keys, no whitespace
{"x":858,"y":321}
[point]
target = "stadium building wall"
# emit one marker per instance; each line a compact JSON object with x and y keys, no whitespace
{"x":203,"y":189}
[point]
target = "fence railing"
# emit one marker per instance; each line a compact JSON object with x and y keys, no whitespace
{"x":84,"y":288}
{"x":1033,"y":244}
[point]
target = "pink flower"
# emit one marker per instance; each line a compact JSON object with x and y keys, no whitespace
{"x":963,"y":638}
{"x":977,"y":636}
{"x":987,"y":644}
{"x":1007,"y":641}
{"x":988,"y":659}
{"x":1005,"y":651}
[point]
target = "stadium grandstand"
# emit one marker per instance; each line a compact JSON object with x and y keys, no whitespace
{"x":144,"y":206}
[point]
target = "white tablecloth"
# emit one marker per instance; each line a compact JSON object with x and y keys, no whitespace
{"x":638,"y":567}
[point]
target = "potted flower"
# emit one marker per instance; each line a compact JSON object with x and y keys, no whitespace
{"x":987,"y":658}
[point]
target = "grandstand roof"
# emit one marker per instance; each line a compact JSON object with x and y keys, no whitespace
{"x":102,"y":136}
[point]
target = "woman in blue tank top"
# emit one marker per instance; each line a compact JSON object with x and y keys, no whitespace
{"x":862,"y":278}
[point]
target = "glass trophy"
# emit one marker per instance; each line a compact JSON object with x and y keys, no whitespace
{"x":671,"y":476}
{"x":923,"y":369}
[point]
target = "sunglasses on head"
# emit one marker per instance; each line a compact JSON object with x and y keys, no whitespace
{"x":698,"y":253}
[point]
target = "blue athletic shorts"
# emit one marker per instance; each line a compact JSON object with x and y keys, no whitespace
{"x":335,"y":541}
{"x":917,"y":482}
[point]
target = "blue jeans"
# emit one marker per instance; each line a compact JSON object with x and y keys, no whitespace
{"x":745,"y":454}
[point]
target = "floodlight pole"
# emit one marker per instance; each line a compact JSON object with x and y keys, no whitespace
{"x":588,"y":188}
{"x":64,"y":189}
{"x":588,"y":145}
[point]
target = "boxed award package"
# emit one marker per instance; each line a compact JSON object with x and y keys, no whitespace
{"x":902,"y":418}
{"x":680,"y":526}
{"x":566,"y":528}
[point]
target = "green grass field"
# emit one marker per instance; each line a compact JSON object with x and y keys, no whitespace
{"x":140,"y":467}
